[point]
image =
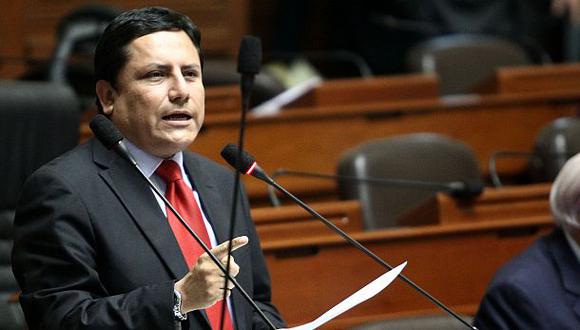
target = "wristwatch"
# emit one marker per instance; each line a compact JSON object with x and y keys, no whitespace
{"x":177,"y":307}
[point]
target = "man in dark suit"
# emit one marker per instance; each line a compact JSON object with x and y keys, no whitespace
{"x":94,"y":247}
{"x":540,"y":289}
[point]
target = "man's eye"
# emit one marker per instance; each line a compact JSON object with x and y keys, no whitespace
{"x":191,"y":74}
{"x":154,"y":75}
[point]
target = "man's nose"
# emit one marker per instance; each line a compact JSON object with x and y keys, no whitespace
{"x":179,"y":93}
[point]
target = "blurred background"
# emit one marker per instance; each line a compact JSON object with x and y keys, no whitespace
{"x":479,"y":91}
{"x":54,"y":40}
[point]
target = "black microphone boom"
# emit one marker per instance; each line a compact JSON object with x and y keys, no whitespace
{"x":248,"y":165}
{"x":111,"y":137}
{"x":249,"y":61}
{"x":464,"y":189}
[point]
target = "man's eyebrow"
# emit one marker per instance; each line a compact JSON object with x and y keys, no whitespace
{"x":191,"y":66}
{"x":166,"y":67}
{"x":156,"y":66}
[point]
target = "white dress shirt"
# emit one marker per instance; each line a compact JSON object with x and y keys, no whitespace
{"x":148,"y":164}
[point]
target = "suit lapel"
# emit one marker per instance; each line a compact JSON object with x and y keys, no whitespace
{"x":218,"y":215}
{"x":140,"y":203}
{"x":569,"y":267}
{"x":212,"y":202}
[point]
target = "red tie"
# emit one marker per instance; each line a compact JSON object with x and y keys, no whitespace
{"x":181,"y":197}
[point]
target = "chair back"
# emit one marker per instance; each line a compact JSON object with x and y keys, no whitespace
{"x":73,"y":56}
{"x":555,"y":143}
{"x":463,"y":61}
{"x":38,"y":122}
{"x":425,"y":157}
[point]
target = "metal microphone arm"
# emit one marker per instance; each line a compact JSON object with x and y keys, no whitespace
{"x":274,"y":200}
{"x":111,"y":137}
{"x":391,"y":183}
{"x":205,"y":248}
{"x":362,"y":248}
{"x":249,"y":60}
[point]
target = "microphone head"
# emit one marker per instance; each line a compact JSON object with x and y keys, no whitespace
{"x":250,"y":55}
{"x":105,"y":131}
{"x":230,"y":154}
{"x":467,"y":189}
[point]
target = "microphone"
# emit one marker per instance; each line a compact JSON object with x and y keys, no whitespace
{"x":248,"y":165}
{"x":111,"y":137}
{"x":464,"y":189}
{"x":249,"y":62}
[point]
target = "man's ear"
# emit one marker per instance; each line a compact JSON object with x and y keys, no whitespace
{"x":106,"y":95}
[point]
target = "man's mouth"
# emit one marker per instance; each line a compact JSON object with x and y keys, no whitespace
{"x":177,"y":117}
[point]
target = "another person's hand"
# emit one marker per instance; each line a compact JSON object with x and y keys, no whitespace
{"x":203,"y":285}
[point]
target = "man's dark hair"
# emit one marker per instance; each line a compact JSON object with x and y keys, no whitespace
{"x":111,"y":53}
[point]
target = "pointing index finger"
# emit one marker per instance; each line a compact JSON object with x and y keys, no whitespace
{"x":221,"y":250}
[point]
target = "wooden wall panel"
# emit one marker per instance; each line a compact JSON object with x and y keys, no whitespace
{"x":11,"y":48}
{"x":31,"y":25}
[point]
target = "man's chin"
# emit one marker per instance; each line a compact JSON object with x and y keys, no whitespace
{"x":172,"y":147}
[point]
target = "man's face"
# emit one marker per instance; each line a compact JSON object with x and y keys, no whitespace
{"x":159,"y":100}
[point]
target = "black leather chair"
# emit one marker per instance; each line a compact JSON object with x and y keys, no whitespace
{"x":78,"y":33}
{"x":462,"y":61}
{"x":555,"y":143}
{"x":72,"y":59}
{"x":420,"y":156}
{"x":38,"y":121}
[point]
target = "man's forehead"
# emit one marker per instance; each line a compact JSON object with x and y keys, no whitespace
{"x":162,"y":43}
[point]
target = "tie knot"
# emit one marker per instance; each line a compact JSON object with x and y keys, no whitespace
{"x":169,"y":171}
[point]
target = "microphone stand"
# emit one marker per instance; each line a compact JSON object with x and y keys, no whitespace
{"x":392,"y":183}
{"x":355,"y":243}
{"x":250,"y":47}
{"x":205,"y":248}
{"x":108,"y":134}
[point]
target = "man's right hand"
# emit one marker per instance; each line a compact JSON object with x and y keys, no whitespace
{"x":203,"y":285}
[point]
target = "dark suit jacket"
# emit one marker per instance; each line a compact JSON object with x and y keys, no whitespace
{"x":540,"y":289}
{"x":94,"y":250}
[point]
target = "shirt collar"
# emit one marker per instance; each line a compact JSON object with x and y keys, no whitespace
{"x":149,"y":163}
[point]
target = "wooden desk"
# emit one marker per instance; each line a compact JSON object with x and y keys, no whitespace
{"x":512,"y":202}
{"x":223,"y":99}
{"x":376,"y":89}
{"x":313,"y":139}
{"x":275,"y":223}
{"x":534,"y":79}
{"x":452,"y":262}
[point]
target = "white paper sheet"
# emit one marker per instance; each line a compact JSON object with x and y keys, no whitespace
{"x":368,"y":291}
{"x":275,"y":104}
